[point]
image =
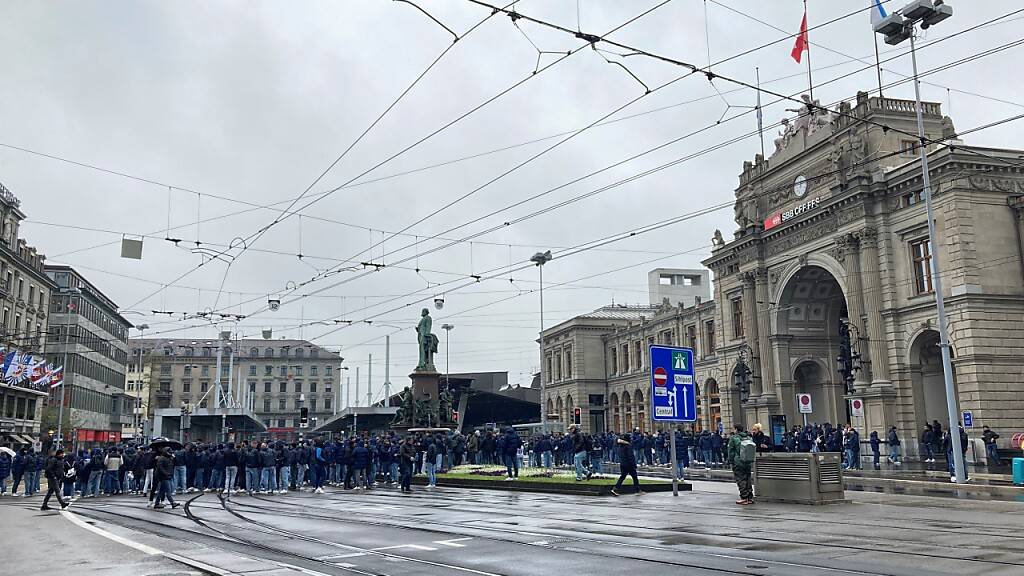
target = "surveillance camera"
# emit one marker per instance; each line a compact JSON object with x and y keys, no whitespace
{"x":439,"y":302}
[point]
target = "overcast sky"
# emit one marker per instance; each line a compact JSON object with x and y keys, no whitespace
{"x":251,"y":101}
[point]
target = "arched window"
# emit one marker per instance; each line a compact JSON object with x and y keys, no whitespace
{"x":641,"y":417}
{"x":627,"y":411}
{"x":284,"y":352}
{"x":189,"y":351}
{"x":254,"y":353}
{"x":314,"y":353}
{"x":268,"y":353}
{"x":298,"y":353}
{"x":616,"y":423}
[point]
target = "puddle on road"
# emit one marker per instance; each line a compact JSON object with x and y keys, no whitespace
{"x":975,"y":492}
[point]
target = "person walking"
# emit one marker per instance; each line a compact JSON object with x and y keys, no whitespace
{"x":5,"y":471}
{"x":406,"y":456}
{"x":511,"y":450}
{"x":991,"y":450}
{"x":579,"y":453}
{"x":162,"y":475}
{"x":948,"y":446}
{"x":875,"y":449}
{"x":928,"y":443}
{"x":55,"y":470}
{"x":18,"y":465}
{"x":229,"y":458}
{"x":742,"y":452}
{"x":894,"y":446}
{"x":627,"y":466}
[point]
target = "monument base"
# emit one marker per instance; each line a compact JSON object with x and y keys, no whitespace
{"x":425,"y":385}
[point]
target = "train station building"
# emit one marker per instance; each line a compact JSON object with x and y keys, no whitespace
{"x":832,"y":228}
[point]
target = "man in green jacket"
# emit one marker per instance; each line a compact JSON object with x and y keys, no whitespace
{"x":741,"y":457}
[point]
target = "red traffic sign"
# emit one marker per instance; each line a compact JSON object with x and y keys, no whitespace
{"x":660,"y":376}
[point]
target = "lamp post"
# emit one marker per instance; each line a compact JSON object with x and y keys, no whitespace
{"x":138,"y":384}
{"x":897,"y":28}
{"x":65,"y":371}
{"x":540,"y":259}
{"x":447,"y":345}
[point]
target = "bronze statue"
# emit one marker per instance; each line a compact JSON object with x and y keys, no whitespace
{"x":406,"y":410}
{"x":427,"y":342}
{"x":444,"y":400}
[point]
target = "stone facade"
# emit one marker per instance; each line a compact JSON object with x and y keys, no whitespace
{"x":25,"y":292}
{"x":273,"y":378}
{"x":834,"y":226}
{"x":599,"y":363}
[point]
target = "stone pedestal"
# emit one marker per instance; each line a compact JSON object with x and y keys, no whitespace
{"x":425,"y":385}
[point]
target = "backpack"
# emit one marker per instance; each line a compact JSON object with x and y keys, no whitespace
{"x":748,"y":450}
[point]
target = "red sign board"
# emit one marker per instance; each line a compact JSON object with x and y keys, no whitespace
{"x":660,"y":376}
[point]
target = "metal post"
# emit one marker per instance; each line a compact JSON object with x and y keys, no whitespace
{"x":369,"y":381}
{"x":543,"y":401}
{"x":357,"y":386}
{"x":216,"y":388}
{"x":947,"y":368}
{"x":64,"y":377}
{"x":675,"y":476}
{"x":229,"y":398}
{"x":387,"y":370}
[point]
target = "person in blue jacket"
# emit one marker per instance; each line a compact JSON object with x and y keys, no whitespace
{"x":636,"y":442}
{"x":361,"y":464}
{"x":18,"y":469}
{"x":5,"y":471}
{"x":511,"y":445}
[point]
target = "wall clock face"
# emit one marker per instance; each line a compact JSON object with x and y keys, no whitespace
{"x":800,"y":186}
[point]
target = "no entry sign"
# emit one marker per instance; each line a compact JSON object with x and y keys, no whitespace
{"x":803,"y":401}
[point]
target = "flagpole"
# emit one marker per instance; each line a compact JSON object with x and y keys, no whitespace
{"x":760,"y":117}
{"x":807,"y":37}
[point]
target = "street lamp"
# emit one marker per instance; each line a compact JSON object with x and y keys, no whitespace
{"x":540,"y":259}
{"x":138,"y":384}
{"x":896,"y":28}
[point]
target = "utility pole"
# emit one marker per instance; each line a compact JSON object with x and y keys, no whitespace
{"x":540,"y":259}
{"x":137,"y":421}
{"x":369,"y":381}
{"x":387,"y":370}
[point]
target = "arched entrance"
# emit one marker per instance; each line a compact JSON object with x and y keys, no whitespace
{"x":641,"y":417}
{"x":627,"y":410}
{"x":614,"y":401}
{"x":712,"y":404}
{"x":808,"y":315}
{"x":927,"y":379}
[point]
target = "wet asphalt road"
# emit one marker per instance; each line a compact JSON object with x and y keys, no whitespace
{"x":486,"y":532}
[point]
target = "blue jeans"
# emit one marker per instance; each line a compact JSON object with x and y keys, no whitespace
{"x":286,"y":478}
{"x":199,"y":482}
{"x":32,"y":482}
{"x":165,"y":490}
{"x":230,"y":477}
{"x":894,"y":453}
{"x":638,"y":454}
{"x":595,"y":463}
{"x":393,"y":472}
{"x":215,"y":479}
{"x":580,"y":461}
{"x":180,"y":476}
{"x":112,"y":482}
{"x":680,"y":468}
{"x":431,"y":477}
{"x":545,"y":457}
{"x":252,"y":479}
{"x":268,"y":479}
{"x":95,"y":477}
{"x":929,"y":454}
{"x":992,"y":453}
{"x":512,"y":465}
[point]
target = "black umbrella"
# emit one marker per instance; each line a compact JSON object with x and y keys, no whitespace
{"x":159,"y":443}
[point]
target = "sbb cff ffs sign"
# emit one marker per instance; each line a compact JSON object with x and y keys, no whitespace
{"x":786,"y":215}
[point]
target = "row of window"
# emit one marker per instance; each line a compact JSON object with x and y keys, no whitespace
{"x":21,"y":330}
{"x":633,"y":357}
{"x":19,"y":407}
{"x":283,"y":371}
{"x":68,"y":304}
{"x":78,"y":364}
{"x":559,"y":365}
{"x":310,"y":403}
{"x":80,"y":336}
{"x":14,"y":280}
{"x":210,"y":351}
{"x":283,"y":423}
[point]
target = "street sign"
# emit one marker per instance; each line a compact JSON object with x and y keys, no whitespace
{"x":804,"y":402}
{"x":968,"y":418}
{"x":856,"y":407}
{"x":673,"y":391}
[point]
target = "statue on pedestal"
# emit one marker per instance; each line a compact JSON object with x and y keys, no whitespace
{"x":427,"y":342}
{"x":444,"y":402}
{"x":406,"y":409}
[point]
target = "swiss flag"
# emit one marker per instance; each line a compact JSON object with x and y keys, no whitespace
{"x":801,"y":41}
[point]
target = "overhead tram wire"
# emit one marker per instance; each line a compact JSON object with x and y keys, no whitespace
{"x":422,"y":168}
{"x":546,"y":150}
{"x":286,"y":213}
{"x":691,"y":156}
{"x":711,"y":75}
{"x":609,"y":239}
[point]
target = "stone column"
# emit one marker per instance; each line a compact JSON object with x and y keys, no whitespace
{"x":847,"y":253}
{"x":750,"y":332}
{"x":873,"y":308}
{"x":763,"y":346}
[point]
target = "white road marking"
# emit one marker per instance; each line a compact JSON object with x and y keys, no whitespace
{"x":539,"y":543}
{"x":301,"y":569}
{"x":454,"y":542}
{"x":111,"y":536}
{"x":413,"y":546}
{"x":342,"y":556}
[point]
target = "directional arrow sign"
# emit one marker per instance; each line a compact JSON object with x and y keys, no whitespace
{"x":673,"y":393}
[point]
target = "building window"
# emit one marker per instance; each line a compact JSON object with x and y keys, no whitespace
{"x":312,"y":404}
{"x":281,"y":404}
{"x":921,"y":253}
{"x":252,"y":370}
{"x":327,"y":370}
{"x":297,"y":370}
{"x":283,"y":371}
{"x":268,"y":353}
{"x":625,"y":358}
{"x":203,"y":386}
{"x":186,"y":386}
{"x":188,"y":370}
{"x":207,"y":352}
{"x":558,"y":366}
{"x":298,"y":353}
{"x":165,"y":369}
{"x":327,"y":403}
{"x":312,"y":387}
{"x":912,"y":199}
{"x":907,"y":148}
{"x":639,"y":358}
{"x":737,"y":317}
{"x":268,"y":370}
{"x":666,"y":337}
{"x":284,"y":352}
{"x":254,"y":352}
{"x":547,"y":366}
{"x":282,"y":423}
{"x":691,"y":336}
{"x":206,"y":370}
{"x":298,"y":386}
{"x":284,"y":387}
{"x":298,"y":403}
{"x":614,"y":361}
{"x":568,"y":362}
{"x":314,"y":353}
{"x":266,"y":387}
{"x":312,"y":370}
{"x":709,"y":337}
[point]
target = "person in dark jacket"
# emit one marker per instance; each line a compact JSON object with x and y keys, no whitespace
{"x":894,"y":446}
{"x":251,"y":460}
{"x":55,"y":471}
{"x":764,"y":444}
{"x":682,"y":454}
{"x":511,"y":445}
{"x":5,"y":471}
{"x":704,"y":443}
{"x":18,"y":469}
{"x":947,"y":444}
{"x":928,"y":443}
{"x":268,"y":471}
{"x":875,"y":449}
{"x":163,"y":473}
{"x":361,"y":464}
{"x":579,"y":453}
{"x":989,"y":437}
{"x":627,"y":466}
{"x":406,"y":457}
{"x":229,"y":459}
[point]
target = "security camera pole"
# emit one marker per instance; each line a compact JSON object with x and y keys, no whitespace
{"x":540,"y":259}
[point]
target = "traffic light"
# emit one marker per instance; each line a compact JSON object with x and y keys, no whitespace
{"x":577,"y":415}
{"x":848,"y":360}
{"x":303,"y":417}
{"x":741,"y":378}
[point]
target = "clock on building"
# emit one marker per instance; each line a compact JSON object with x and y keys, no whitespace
{"x":800,"y":186}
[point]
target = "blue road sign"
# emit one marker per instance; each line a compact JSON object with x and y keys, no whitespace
{"x":673,"y":390}
{"x":968,"y":417}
